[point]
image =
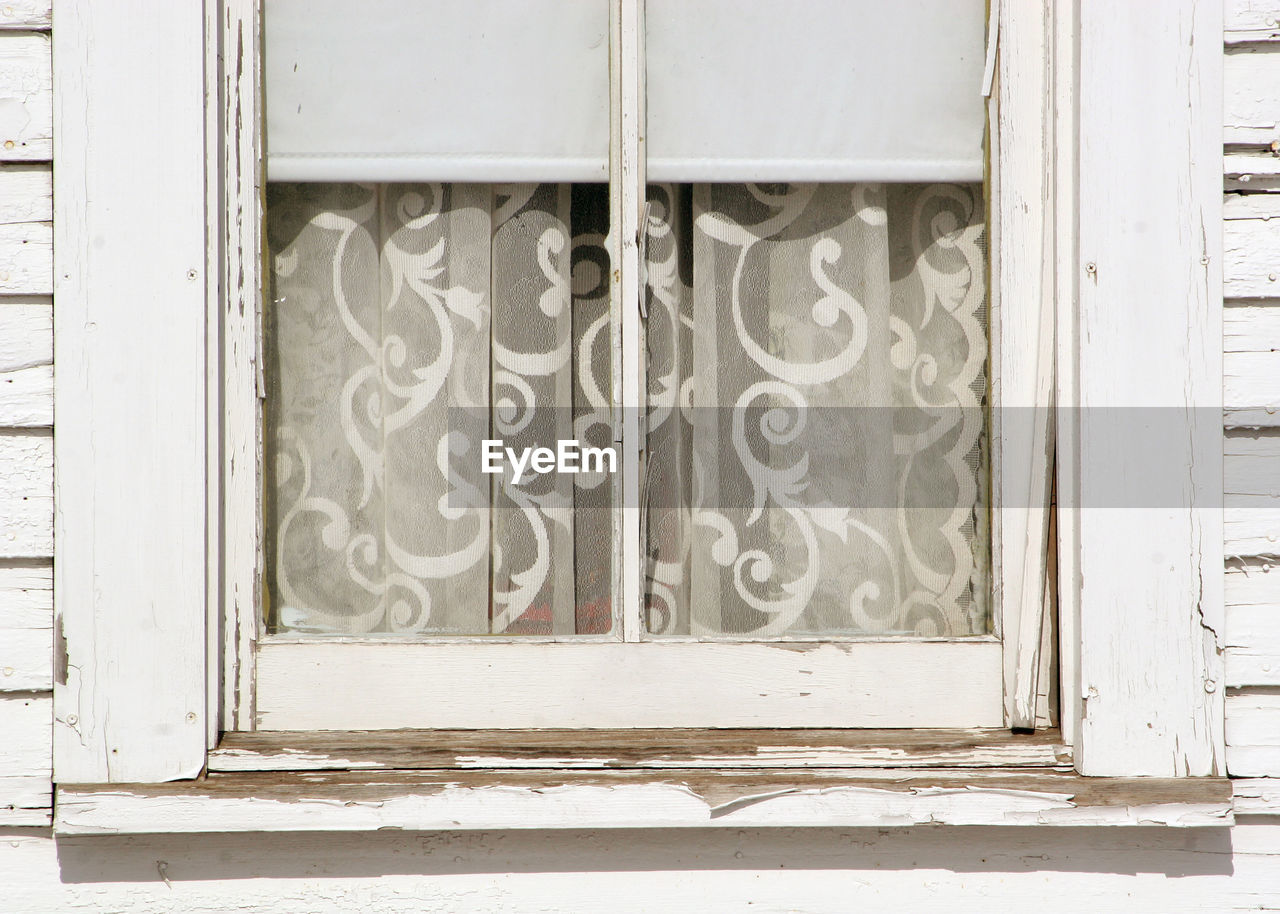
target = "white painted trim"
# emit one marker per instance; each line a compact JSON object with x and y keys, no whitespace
{"x":1149,"y":581}
{"x":130,"y":334}
{"x":240,"y":333}
{"x":614,"y":685}
{"x":1022,"y":331}
{"x":547,"y":800}
{"x":825,"y":170}
{"x":1066,"y":32}
{"x":328,"y":167}
{"x":627,"y":194}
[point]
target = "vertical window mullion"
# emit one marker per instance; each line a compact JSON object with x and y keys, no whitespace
{"x":626,"y":193}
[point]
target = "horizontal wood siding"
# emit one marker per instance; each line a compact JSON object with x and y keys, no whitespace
{"x":1252,"y":398}
{"x":26,"y":414}
{"x":26,"y":97}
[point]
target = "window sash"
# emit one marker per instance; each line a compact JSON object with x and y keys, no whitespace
{"x":280,"y":660}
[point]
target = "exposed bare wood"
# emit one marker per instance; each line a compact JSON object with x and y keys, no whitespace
{"x":240,"y":483}
{"x":418,"y":749}
{"x":26,"y":97}
{"x":631,"y":799}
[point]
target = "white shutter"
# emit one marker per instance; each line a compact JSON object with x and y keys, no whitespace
{"x":404,"y":90}
{"x":831,"y":90}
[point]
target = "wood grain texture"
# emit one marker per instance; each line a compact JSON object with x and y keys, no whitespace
{"x":243,"y":386}
{"x":616,"y":685}
{"x":26,"y":14}
{"x":26,"y":97}
{"x":536,"y":798}
{"x":1253,"y":737}
{"x":130,"y":576}
{"x":26,"y":364}
{"x":26,"y":495}
{"x":651,"y":749}
{"x":1149,"y":580}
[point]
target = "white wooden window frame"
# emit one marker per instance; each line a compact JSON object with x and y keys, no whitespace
{"x":624,"y":680}
{"x":157,"y":241}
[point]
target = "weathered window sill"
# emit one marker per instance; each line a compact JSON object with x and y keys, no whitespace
{"x":274,"y":782}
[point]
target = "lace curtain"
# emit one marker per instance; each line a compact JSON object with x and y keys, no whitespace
{"x":817,"y":365}
{"x":809,"y":346}
{"x":397,"y":308}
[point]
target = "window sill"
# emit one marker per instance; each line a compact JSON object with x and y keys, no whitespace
{"x":543,"y":779}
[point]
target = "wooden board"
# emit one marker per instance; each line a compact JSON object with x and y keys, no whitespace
{"x":1150,"y":269}
{"x":637,"y":799}
{"x":26,"y":363}
{"x":26,"y":794}
{"x":130,"y":385}
{"x":26,"y":628}
{"x":1253,"y":736}
{"x":26,"y":494}
{"x":26,"y":97}
{"x":26,"y":14}
{"x":584,"y":749}
{"x":615,"y":685}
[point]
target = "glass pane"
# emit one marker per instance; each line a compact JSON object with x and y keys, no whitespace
{"x":405,"y":323}
{"x":817,"y":383}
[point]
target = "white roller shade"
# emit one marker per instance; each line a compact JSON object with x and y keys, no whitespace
{"x":886,"y":90}
{"x":406,"y":90}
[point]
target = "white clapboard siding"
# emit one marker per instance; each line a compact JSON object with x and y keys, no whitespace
{"x":1252,"y":89}
{"x":1251,"y":15}
{"x":1251,"y":171}
{"x":26,"y":628}
{"x":25,"y":762}
{"x":26,"y":14}
{"x":1253,"y":733}
{"x":1251,"y":532}
{"x":1253,"y":625}
{"x":1251,"y":363}
{"x":26,"y":97}
{"x":26,"y":191}
{"x":26,"y":257}
{"x":26,"y":495}
{"x":26,"y":363}
{"x":1252,"y":257}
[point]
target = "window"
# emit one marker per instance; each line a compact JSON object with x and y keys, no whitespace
{"x":1138,"y":647}
{"x":792,"y":364}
